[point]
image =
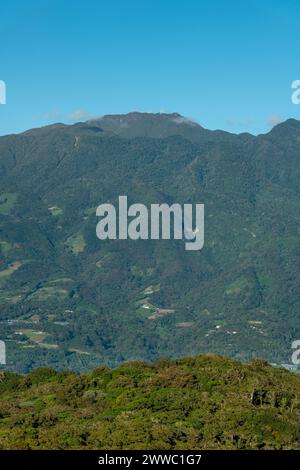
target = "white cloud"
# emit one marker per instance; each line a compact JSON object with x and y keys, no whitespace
{"x":80,"y":114}
{"x":185,"y":120}
{"x":274,"y":119}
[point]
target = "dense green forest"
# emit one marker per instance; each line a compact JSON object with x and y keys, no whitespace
{"x":71,"y":301}
{"x":208,"y":402}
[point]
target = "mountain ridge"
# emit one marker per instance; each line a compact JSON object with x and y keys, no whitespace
{"x":110,"y":122}
{"x":134,"y":116}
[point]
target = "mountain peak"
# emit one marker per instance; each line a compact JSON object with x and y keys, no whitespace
{"x":154,"y":125}
{"x":135,"y":116}
{"x":286,"y":128}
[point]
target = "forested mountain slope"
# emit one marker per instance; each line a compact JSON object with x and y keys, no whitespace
{"x":69,"y":300}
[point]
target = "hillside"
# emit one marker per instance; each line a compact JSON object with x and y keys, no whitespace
{"x":69,"y":301}
{"x":208,"y":402}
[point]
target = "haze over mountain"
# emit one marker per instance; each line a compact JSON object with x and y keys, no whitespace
{"x":70,"y":300}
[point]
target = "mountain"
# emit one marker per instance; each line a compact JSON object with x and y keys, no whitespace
{"x":69,"y":300}
{"x":208,"y":402}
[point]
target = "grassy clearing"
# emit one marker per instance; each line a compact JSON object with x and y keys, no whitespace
{"x":6,"y":273}
{"x":151,"y":289}
{"x":33,"y":335}
{"x":55,"y":211}
{"x":90,"y":211}
{"x":79,"y":351}
{"x":8,"y":297}
{"x":7,"y":202}
{"x":46,"y":293}
{"x":146,"y":304}
{"x":60,"y":281}
{"x":5,"y":247}
{"x":236,"y":287}
{"x":76,"y":243}
{"x":11,"y":269}
{"x":104,"y":260}
{"x":48,"y":345}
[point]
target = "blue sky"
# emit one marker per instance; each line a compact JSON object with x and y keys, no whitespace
{"x":228,"y":64}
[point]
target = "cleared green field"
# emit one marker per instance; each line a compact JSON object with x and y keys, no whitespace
{"x":46,"y":293}
{"x":5,"y":247}
{"x":6,"y":273}
{"x":55,"y":211}
{"x":7,"y":202}
{"x":76,"y":243}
